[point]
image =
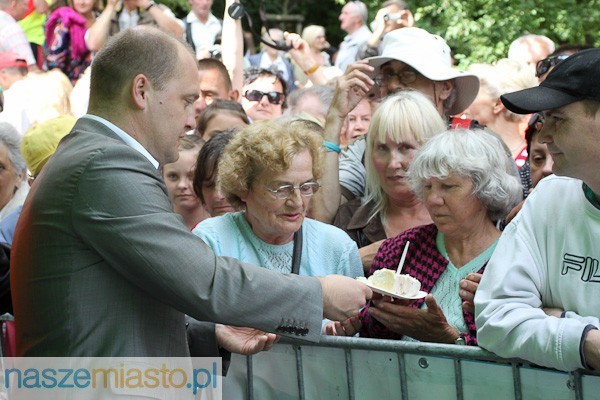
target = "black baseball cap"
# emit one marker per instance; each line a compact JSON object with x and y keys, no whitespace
{"x":574,"y":79}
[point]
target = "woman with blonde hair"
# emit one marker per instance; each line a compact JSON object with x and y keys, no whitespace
{"x":466,"y":183}
{"x":314,"y":36}
{"x":401,"y":124}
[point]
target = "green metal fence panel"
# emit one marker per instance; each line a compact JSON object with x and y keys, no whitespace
{"x":356,"y":368}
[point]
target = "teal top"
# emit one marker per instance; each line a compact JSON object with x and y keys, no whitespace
{"x":445,"y":291}
{"x":325,"y":248}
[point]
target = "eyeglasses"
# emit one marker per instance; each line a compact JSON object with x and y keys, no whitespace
{"x":257,"y":95}
{"x":284,"y":192}
{"x":405,"y":77}
{"x":544,"y":65}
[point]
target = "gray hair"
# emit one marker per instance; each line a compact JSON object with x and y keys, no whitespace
{"x":361,"y":10}
{"x":528,"y":40}
{"x":477,"y":155}
{"x":398,"y":3}
{"x":10,"y":138}
{"x":322,"y":92}
{"x":404,"y":115}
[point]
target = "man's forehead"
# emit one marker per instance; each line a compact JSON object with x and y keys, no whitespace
{"x":212,"y":79}
{"x":394,"y":65}
{"x":557,"y":111}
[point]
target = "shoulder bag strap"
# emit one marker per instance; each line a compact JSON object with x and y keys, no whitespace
{"x":297,"y":254}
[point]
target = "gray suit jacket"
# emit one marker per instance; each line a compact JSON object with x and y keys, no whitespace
{"x":101,"y":266}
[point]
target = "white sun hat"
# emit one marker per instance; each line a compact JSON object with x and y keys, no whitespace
{"x":430,"y":56}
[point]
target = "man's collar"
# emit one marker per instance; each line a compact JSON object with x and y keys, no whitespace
{"x":125,"y":137}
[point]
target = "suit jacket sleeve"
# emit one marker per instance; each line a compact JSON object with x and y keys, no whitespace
{"x":122,"y":211}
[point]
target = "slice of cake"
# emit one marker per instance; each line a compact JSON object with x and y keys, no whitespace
{"x":388,"y":280}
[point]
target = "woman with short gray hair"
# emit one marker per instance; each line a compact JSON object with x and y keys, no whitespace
{"x":465,"y":181}
{"x":13,"y":172}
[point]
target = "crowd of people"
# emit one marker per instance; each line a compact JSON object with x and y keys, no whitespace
{"x":204,"y":182}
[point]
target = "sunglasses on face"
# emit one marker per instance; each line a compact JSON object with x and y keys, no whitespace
{"x":544,"y":65}
{"x":257,"y":95}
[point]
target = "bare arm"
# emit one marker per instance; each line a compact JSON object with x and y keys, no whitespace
{"x":591,"y":349}
{"x":164,"y":21}
{"x":98,"y":32}
{"x":350,"y":89}
{"x":232,"y":48}
{"x":302,"y":56}
{"x":367,"y":254}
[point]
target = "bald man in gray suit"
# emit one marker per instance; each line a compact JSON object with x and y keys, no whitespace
{"x":101,"y":266}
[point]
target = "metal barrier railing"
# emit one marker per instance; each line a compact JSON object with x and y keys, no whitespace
{"x":357,"y":368}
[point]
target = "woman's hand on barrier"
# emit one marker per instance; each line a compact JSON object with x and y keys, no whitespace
{"x":468,"y":287}
{"x":428,"y":325}
{"x":245,"y":341}
{"x":348,"y":327}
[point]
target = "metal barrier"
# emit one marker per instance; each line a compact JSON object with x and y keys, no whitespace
{"x":357,"y":368}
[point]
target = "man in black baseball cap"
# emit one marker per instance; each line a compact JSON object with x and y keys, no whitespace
{"x":538,"y":297}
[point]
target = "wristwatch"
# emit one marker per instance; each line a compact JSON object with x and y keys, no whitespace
{"x":460,"y":341}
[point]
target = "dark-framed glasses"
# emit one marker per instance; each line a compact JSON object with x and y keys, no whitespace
{"x":544,"y":65}
{"x":307,"y":189}
{"x":257,"y":95}
{"x":405,"y":77}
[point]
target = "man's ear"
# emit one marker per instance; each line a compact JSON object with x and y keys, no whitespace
{"x":498,"y":107}
{"x":443,"y":89}
{"x":234,"y":95}
{"x":140,"y":90}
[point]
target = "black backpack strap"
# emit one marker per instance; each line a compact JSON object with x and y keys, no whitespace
{"x":188,"y":35}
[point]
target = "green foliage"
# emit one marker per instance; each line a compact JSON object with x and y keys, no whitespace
{"x":180,"y":7}
{"x":481,"y":30}
{"x":476,"y":30}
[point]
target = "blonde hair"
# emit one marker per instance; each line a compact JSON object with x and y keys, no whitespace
{"x":310,"y":33}
{"x":405,"y":115}
{"x":266,"y":146}
{"x":505,"y":76}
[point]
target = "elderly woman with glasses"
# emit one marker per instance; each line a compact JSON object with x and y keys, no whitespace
{"x":466,"y":182}
{"x":263,"y":93}
{"x":270,"y":170}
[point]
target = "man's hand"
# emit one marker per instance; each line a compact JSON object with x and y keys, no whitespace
{"x":468,"y":287}
{"x":246,"y":341}
{"x":351,"y":88}
{"x":343,"y":297}
{"x":348,"y":327}
{"x":428,"y":325}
